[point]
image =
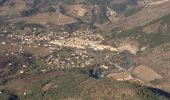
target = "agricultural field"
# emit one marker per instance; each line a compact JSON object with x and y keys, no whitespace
{"x":84,"y":49}
{"x":146,"y":73}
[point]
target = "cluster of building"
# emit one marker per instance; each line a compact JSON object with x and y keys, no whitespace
{"x":77,"y":49}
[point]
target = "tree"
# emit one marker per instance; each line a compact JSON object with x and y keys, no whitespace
{"x":2,"y":2}
{"x":51,"y":10}
{"x":29,"y":12}
{"x":133,"y":2}
{"x":119,"y":7}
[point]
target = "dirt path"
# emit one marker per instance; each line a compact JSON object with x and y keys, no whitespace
{"x":158,"y":2}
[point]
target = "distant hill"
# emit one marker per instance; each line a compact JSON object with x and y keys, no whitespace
{"x":48,"y":48}
{"x":77,"y":86}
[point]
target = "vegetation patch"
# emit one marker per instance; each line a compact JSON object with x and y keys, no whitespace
{"x":152,"y":40}
{"x":166,"y":18}
{"x":29,"y":12}
{"x":81,"y":86}
{"x":149,"y":94}
{"x":132,"y":11}
{"x":119,"y":8}
{"x":51,"y":10}
{"x":157,"y":81}
{"x":132,"y":2}
{"x":103,"y":2}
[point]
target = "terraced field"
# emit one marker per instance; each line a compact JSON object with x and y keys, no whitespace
{"x":84,"y":49}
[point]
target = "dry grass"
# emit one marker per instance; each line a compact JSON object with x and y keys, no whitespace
{"x":120,"y":76}
{"x":44,"y":18}
{"x":6,"y":10}
{"x":77,"y":10}
{"x":36,"y":51}
{"x":143,"y":17}
{"x":146,"y":73}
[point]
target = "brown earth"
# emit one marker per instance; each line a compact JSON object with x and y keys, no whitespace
{"x":120,"y":76}
{"x":144,"y":16}
{"x":7,"y":10}
{"x":153,"y":28}
{"x":45,"y":18}
{"x":16,"y":48}
{"x":159,"y":60}
{"x":145,"y":73}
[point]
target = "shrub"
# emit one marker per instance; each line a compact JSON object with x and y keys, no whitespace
{"x":150,"y":94}
{"x":1,"y":2}
{"x":133,"y":2}
{"x":119,"y":7}
{"x":36,"y":2}
{"x":69,"y":1}
{"x":51,"y":10}
{"x":132,"y":11}
{"x":29,"y":12}
{"x":166,"y":18}
{"x":102,"y":2}
{"x":34,"y":25}
{"x":2,"y":22}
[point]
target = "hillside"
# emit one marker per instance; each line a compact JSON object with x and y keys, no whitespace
{"x":75,"y":86}
{"x":84,"y":49}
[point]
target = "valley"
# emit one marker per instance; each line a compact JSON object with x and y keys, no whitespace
{"x":84,"y":49}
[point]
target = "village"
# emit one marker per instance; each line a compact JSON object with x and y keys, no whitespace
{"x":84,"y":49}
{"x":62,"y":50}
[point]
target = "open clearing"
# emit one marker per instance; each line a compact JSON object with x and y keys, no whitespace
{"x":36,"y":51}
{"x":145,"y":73}
{"x":146,"y":15}
{"x":13,"y":10}
{"x":44,"y":18}
{"x":120,"y":76}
